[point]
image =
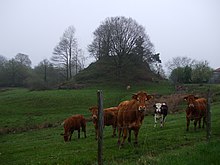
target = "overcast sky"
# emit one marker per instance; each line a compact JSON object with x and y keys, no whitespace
{"x":176,"y":27}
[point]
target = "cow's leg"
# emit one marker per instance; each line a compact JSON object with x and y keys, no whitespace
{"x":84,"y":133}
{"x":119,"y":135}
{"x":129,"y":135}
{"x":155,"y":120}
{"x":78,"y":133}
{"x":114,"y":130}
{"x":161,"y":121}
{"x":200,"y":122}
{"x":187,"y":124}
{"x":204,"y":122}
{"x":164,"y":119}
{"x":84,"y":130}
{"x":195,"y":124}
{"x":96,"y":134}
{"x":124,"y":136}
{"x":136,"y":136}
{"x":70,"y":135}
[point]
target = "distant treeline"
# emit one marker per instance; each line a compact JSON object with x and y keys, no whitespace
{"x":17,"y":72}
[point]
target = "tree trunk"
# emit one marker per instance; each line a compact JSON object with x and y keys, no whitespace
{"x":67,"y":70}
{"x":70,"y":63}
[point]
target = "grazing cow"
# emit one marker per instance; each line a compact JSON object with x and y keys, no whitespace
{"x":160,"y":112}
{"x":110,"y":118}
{"x":131,"y":115}
{"x":196,"y":110}
{"x":74,"y":123}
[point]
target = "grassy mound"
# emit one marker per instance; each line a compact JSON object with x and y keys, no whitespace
{"x":106,"y":71}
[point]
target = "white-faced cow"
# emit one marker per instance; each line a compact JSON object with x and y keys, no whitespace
{"x":160,"y":112}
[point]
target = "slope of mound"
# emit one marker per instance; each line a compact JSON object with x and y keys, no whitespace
{"x":106,"y":71}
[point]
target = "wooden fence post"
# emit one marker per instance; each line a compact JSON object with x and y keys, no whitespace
{"x":100,"y":126}
{"x":208,"y":119}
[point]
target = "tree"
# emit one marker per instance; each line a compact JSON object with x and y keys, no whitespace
{"x":65,"y":51}
{"x":3,"y":60}
{"x":23,"y":59}
{"x":177,"y":62}
{"x":187,"y":74}
{"x":201,"y":72}
{"x":157,"y":68}
{"x":187,"y":70}
{"x":78,"y":61}
{"x":3,"y":74}
{"x":43,"y":68}
{"x":177,"y":75}
{"x":44,"y":76}
{"x":12,"y":72}
{"x":122,"y":39}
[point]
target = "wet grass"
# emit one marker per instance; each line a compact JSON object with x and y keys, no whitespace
{"x":168,"y":145}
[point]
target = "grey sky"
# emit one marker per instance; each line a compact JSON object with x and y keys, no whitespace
{"x":176,"y":27}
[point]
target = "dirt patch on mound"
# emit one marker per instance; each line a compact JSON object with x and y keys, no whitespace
{"x":173,"y":101}
{"x":28,"y":128}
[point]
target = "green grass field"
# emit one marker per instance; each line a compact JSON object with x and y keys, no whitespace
{"x":32,"y":120}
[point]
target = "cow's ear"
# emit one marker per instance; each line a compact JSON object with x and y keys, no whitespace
{"x":134,"y":96}
{"x":196,"y":97}
{"x":185,"y":98}
{"x":150,"y":97}
{"x":154,"y":105}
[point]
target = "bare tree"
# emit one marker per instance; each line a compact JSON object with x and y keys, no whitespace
{"x":117,"y":37}
{"x":65,"y":51}
{"x":79,"y":60}
{"x":177,"y":62}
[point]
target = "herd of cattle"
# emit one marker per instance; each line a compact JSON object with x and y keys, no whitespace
{"x":129,"y":115}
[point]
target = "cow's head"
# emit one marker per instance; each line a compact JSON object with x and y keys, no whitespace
{"x":65,"y":137}
{"x":142,"y":100}
{"x":159,"y":107}
{"x":94,"y":111}
{"x":190,"y":100}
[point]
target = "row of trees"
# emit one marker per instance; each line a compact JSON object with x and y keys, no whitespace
{"x":187,"y":70}
{"x":18,"y":72}
{"x":66,"y":61}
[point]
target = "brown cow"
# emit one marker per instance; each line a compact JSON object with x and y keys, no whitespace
{"x":74,"y":123}
{"x":131,"y":115}
{"x":110,"y":118}
{"x":196,"y":110}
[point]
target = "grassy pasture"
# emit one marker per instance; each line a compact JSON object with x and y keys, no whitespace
{"x":20,"y":108}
